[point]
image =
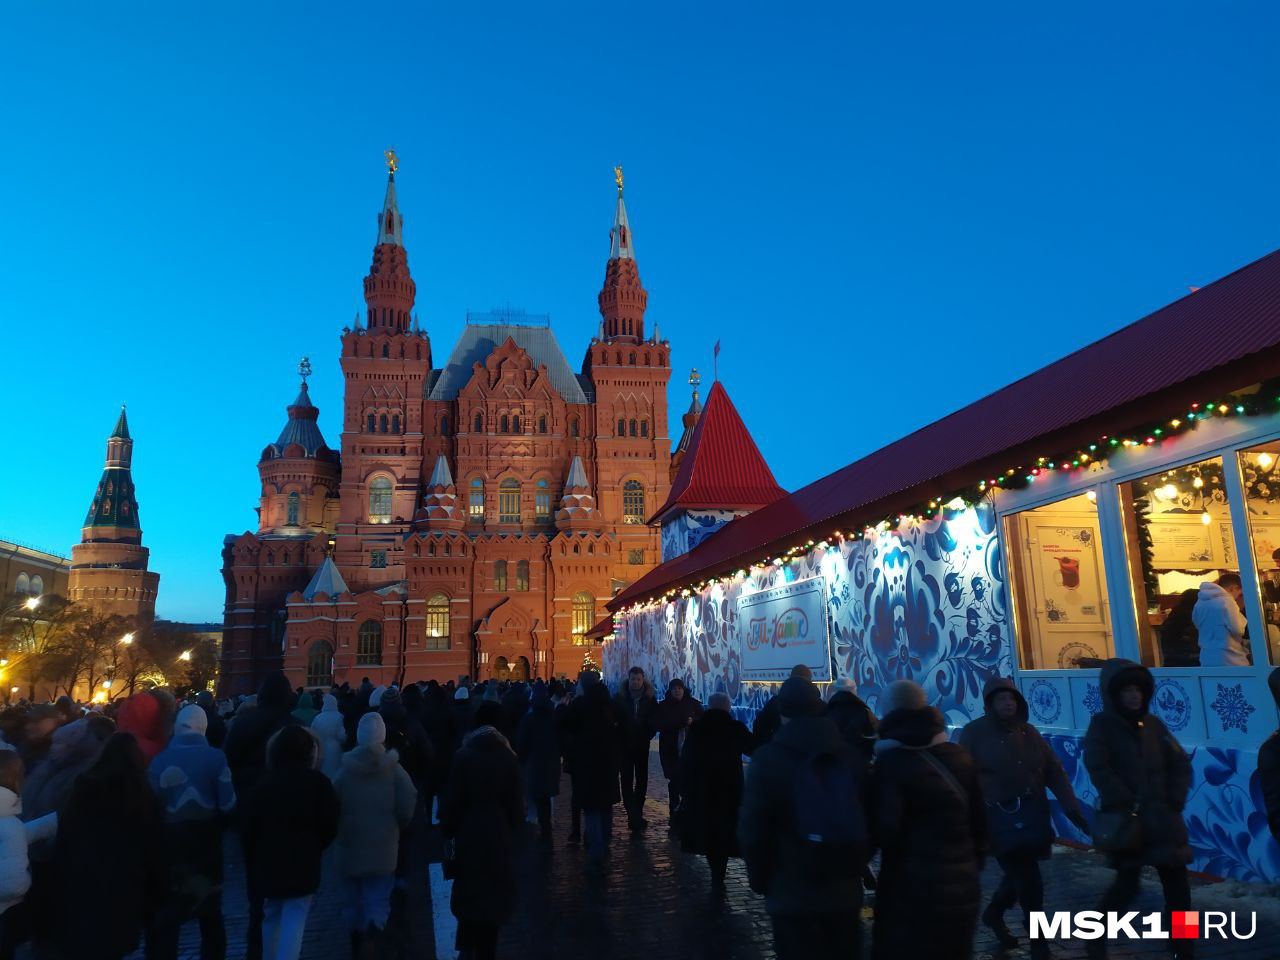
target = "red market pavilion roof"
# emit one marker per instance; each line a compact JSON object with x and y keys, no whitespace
{"x":1222,"y":337}
{"x":723,"y":468}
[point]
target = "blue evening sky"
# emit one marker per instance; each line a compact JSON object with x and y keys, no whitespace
{"x":884,"y":211}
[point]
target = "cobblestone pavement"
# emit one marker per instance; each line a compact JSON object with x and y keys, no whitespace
{"x":654,"y":902}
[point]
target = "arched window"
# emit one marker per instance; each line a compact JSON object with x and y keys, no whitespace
{"x":479,"y":425}
{"x":505,"y":424}
{"x":644,"y":428}
{"x":573,"y":427}
{"x":380,"y":500}
{"x":373,"y":423}
{"x":584,"y":613}
{"x":542,"y":501}
{"x":431,"y":549}
{"x":622,"y":428}
{"x":395,"y":423}
{"x":509,"y":501}
{"x":438,"y":622}
{"x":382,"y":423}
{"x":632,"y":359}
{"x":500,"y":575}
{"x":444,"y":426}
{"x":633,"y":428}
{"x":515,"y":423}
{"x":386,"y":350}
{"x":320,"y":664}
{"x":542,"y":424}
{"x":369,"y":644}
{"x":292,"y":512}
{"x":475,"y":504}
{"x":522,"y":574}
{"x":633,"y":502}
{"x":23,"y":584}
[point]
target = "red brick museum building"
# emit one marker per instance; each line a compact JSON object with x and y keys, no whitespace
{"x":481,"y":506}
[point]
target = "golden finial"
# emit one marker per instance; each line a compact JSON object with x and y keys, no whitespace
{"x":393,"y":162}
{"x":617,"y":178}
{"x":695,"y":378}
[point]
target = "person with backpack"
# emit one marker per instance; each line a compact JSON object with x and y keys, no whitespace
{"x":711,"y":771}
{"x":930,"y":823}
{"x":1015,"y":765}
{"x":802,"y":831}
{"x":1142,"y":777}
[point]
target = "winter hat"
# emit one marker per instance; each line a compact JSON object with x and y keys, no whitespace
{"x":904,"y":695}
{"x":843,"y":685}
{"x":798,"y":697}
{"x":192,"y":719}
{"x":205,"y":699}
{"x":390,"y":698}
{"x":375,"y":698}
{"x":719,"y":701}
{"x":462,"y":693}
{"x":802,"y":670}
{"x":330,"y":703}
{"x":372,"y":731}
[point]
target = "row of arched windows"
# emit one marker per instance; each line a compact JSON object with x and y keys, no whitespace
{"x":632,"y":358}
{"x":382,"y":423}
{"x":635,"y":428}
{"x":510,"y":492}
{"x":512,"y":423}
{"x":500,"y":575}
{"x":31,"y":585}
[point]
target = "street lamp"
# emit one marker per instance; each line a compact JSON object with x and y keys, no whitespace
{"x":127,"y":639}
{"x":185,"y":655}
{"x":32,"y":603}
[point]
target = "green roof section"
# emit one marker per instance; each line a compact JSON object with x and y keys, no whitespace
{"x":122,"y":426}
{"x":114,"y":504}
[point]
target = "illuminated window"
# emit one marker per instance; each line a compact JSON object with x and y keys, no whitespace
{"x":1261,"y":482}
{"x":369,"y":644}
{"x":380,"y":500}
{"x":1059,"y":585}
{"x":438,"y":622}
{"x":500,"y":575}
{"x":509,"y":501}
{"x":320,"y":664}
{"x":633,"y":502}
{"x":522,"y":574}
{"x":23,"y":584}
{"x":475,"y":503}
{"x":542,"y":501}
{"x":292,"y":519}
{"x":584,"y":614}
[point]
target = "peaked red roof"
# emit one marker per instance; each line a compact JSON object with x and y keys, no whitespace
{"x":1222,"y":337}
{"x":722,"y":467}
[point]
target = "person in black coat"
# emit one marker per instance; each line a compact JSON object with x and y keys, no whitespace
{"x":216,"y":733}
{"x":482,"y":816}
{"x":1140,"y":771}
{"x":1015,"y":765}
{"x":638,"y":703}
{"x":711,"y":772}
{"x":930,"y":822}
{"x":768,"y":720}
{"x":678,"y":709}
{"x":538,"y":747}
{"x":111,"y":807}
{"x":442,"y":730}
{"x":1269,"y":765}
{"x":854,"y":719}
{"x":594,"y":727}
{"x":246,"y":750}
{"x":287,"y":823}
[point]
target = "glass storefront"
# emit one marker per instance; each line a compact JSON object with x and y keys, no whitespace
{"x":1260,"y":480}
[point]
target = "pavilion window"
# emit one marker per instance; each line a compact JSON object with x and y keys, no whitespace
{"x":542,"y":500}
{"x":509,"y":501}
{"x":500,"y":575}
{"x":584,"y":615}
{"x":633,"y":502}
{"x":380,"y":500}
{"x":522,"y":574}
{"x":475,"y":501}
{"x":437,"y":637}
{"x":369,"y":644}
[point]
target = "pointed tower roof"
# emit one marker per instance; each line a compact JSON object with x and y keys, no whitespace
{"x":622,"y":299}
{"x":690,"y":418}
{"x":122,"y":426}
{"x":390,"y":223}
{"x":722,"y":468}
{"x":577,"y":475}
{"x":301,"y":427}
{"x":327,"y":580}
{"x":620,"y":244}
{"x":441,"y":476}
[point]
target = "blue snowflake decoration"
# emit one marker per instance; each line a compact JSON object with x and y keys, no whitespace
{"x":1232,"y":708}
{"x":1092,"y":699}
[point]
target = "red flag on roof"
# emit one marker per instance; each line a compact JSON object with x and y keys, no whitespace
{"x":717,"y":353}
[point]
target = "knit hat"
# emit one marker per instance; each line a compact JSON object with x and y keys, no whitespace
{"x":843,"y":685}
{"x":802,"y":670}
{"x":372,"y":731}
{"x":375,"y":698}
{"x":192,"y":719}
{"x":462,"y":693}
{"x":904,"y":695}
{"x":390,"y":697}
{"x":798,"y":697}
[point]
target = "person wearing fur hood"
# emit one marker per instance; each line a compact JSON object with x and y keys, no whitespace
{"x":376,"y":801}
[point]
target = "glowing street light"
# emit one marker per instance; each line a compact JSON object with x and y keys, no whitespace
{"x":127,"y":639}
{"x":106,"y":684}
{"x":32,"y":603}
{"x":185,"y":655}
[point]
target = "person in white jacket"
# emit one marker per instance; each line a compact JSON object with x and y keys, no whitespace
{"x":1220,"y":623}
{"x":15,"y":837}
{"x":332,"y":734}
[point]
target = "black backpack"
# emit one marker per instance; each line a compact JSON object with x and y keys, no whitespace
{"x":830,"y":823}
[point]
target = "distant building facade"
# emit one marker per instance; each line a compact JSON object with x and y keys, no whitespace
{"x":27,"y":571}
{"x":478,"y":512}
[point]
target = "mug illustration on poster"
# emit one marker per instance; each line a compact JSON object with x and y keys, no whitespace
{"x":1069,"y":572}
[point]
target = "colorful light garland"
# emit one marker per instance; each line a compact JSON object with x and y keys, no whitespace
{"x":1265,"y":400}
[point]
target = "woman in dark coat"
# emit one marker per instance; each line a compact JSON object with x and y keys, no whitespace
{"x":1015,"y":764}
{"x":595,"y":733}
{"x":711,"y":772}
{"x":1140,"y":770}
{"x":538,"y":747}
{"x":111,"y":807}
{"x":482,"y":816}
{"x":672,"y":717}
{"x":930,"y":823}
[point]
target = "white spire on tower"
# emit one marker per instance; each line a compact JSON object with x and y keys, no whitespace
{"x":620,"y":246}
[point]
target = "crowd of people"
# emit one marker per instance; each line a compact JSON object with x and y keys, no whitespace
{"x":143,"y":790}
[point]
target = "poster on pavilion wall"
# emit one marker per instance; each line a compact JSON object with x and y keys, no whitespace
{"x":784,"y":626}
